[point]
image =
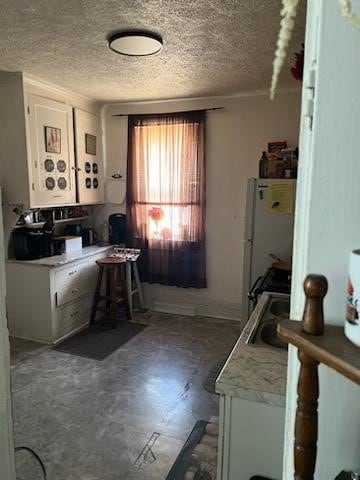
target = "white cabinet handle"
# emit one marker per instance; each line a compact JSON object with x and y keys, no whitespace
{"x":75,"y":290}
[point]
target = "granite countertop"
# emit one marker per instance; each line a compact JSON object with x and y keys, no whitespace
{"x":58,"y":260}
{"x":255,"y":372}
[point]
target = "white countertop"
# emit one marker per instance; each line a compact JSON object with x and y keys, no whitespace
{"x":254,"y":372}
{"x":58,"y":260}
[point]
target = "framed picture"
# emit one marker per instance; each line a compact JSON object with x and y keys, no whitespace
{"x":90,"y":144}
{"x":52,"y":139}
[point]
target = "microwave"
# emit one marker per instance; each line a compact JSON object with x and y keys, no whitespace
{"x":32,"y":243}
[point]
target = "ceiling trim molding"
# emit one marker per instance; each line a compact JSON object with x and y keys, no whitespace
{"x":248,"y":93}
{"x":56,"y":89}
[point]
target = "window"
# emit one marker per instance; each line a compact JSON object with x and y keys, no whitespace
{"x":166,"y":193}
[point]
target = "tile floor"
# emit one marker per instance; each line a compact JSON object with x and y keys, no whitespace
{"x":124,"y":418}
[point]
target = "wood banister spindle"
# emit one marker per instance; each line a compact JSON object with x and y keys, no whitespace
{"x":306,"y":423}
{"x":315,"y":288}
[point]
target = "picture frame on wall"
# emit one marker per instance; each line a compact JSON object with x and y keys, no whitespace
{"x":90,"y":144}
{"x":52,"y":139}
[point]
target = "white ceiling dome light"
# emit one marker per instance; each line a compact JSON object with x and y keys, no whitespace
{"x":136,"y":44}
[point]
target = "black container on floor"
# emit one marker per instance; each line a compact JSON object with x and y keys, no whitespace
{"x":117,"y":228}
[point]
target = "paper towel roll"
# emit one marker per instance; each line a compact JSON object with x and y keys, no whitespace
{"x":116,"y":190}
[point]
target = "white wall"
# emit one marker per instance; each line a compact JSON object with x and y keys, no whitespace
{"x":327,"y":223}
{"x":235,"y":138}
{"x":7,"y":461}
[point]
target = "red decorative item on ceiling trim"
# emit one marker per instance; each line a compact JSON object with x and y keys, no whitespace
{"x":298,"y":68}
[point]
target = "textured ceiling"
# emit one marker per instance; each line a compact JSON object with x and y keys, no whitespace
{"x":211,"y":47}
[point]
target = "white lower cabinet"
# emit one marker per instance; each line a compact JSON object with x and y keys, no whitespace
{"x":48,"y":304}
{"x":251,"y":436}
{"x":70,"y":317}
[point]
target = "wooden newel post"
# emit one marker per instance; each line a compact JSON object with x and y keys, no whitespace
{"x":315,"y":288}
{"x":306,"y":423}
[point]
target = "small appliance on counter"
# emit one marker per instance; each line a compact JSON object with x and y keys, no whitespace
{"x":32,"y":243}
{"x":74,"y":229}
{"x":89,"y":236}
{"x":117,"y":228}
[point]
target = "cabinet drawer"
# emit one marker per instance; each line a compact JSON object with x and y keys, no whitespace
{"x":69,"y":276}
{"x":89,"y":273}
{"x":72,"y":291}
{"x":71,"y":316}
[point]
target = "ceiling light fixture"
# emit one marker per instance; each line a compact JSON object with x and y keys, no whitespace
{"x":135,"y":44}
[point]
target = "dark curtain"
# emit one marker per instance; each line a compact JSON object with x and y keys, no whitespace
{"x":166,"y":197}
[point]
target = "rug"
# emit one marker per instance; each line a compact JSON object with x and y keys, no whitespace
{"x":209,"y":381}
{"x":100,"y":340}
{"x":197,"y":458}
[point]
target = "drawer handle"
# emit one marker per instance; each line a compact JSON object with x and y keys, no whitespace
{"x":75,"y":290}
{"x":73,"y":272}
{"x":75,"y":313}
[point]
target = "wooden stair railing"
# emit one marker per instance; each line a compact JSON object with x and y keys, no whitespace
{"x":315,"y":344}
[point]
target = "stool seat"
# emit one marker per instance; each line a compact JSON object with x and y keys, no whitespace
{"x":115,"y":283}
{"x":110,"y":261}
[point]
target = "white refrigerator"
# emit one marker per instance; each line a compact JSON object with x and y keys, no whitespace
{"x":269,"y":225}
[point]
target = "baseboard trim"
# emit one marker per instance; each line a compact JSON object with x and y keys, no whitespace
{"x":174,"y":308}
{"x":219,"y":311}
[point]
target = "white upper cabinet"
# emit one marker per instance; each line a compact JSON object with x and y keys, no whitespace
{"x":51,"y":164}
{"x":88,"y":146}
{"x":37,"y":150}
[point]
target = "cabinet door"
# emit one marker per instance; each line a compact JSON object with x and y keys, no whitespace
{"x":90,"y":174}
{"x":51,"y":152}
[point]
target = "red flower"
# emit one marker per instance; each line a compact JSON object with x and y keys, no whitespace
{"x":156,"y":214}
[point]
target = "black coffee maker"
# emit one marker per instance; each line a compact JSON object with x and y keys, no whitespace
{"x":33,"y":243}
{"x":117,"y":228}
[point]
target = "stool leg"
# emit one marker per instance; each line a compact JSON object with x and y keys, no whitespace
{"x":123,"y":284}
{"x":107,"y":292}
{"x":96,"y":294}
{"x":138,"y":285}
{"x":113,"y":295}
{"x":129,"y":286}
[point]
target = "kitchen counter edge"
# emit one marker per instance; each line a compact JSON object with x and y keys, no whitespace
{"x":253,"y":372}
{"x":64,"y":259}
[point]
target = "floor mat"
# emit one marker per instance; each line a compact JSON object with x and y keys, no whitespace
{"x":197,"y":458}
{"x":100,"y":340}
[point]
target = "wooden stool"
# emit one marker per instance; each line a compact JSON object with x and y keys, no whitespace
{"x":112,"y":266}
{"x":132,"y":265}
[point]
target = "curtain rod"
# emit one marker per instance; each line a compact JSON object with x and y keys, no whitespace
{"x":167,"y":113}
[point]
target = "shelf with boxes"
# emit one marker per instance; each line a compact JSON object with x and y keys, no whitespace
{"x":38,"y":217}
{"x":279,"y":161}
{"x":56,"y":222}
{"x":44,"y":233}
